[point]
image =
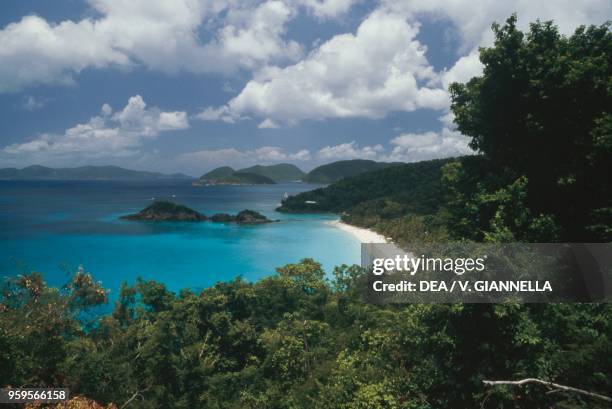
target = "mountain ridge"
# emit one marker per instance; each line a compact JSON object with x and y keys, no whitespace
{"x":335,"y":171}
{"x":226,"y":175}
{"x":106,"y":172}
{"x":281,"y":172}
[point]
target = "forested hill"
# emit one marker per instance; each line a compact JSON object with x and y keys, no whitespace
{"x":415,"y":185}
{"x":218,"y":173}
{"x":282,"y":172}
{"x":335,"y":171}
{"x":219,"y":177}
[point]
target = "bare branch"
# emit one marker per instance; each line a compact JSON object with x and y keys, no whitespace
{"x":134,"y":396}
{"x":556,"y":386}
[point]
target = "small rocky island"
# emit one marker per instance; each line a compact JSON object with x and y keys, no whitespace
{"x":163,"y":210}
{"x":166,"y":211}
{"x":244,"y":217}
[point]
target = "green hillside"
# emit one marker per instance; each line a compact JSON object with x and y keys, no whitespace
{"x":218,"y":173}
{"x":227,"y":176}
{"x":282,"y":172}
{"x":81,"y":173}
{"x":376,"y":199}
{"x":342,"y":169}
{"x":250,"y":179}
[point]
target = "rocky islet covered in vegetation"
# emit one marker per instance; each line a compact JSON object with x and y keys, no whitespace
{"x":163,"y":210}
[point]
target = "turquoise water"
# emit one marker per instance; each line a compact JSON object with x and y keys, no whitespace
{"x":54,"y":227}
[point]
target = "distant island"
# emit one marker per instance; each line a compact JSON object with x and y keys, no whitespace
{"x":166,"y":211}
{"x":285,"y":172}
{"x":254,"y":175}
{"x":37,"y":172}
{"x":243,"y":217}
{"x":224,"y":175}
{"x":227,"y":176}
{"x":162,"y":210}
{"x":282,"y":172}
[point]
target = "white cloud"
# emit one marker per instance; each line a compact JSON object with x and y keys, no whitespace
{"x":163,"y":35}
{"x":221,"y":113}
{"x":463,"y":70}
{"x":108,"y":135}
{"x":383,"y":68}
{"x":412,"y":147}
{"x":327,"y":8}
{"x":379,"y":69}
{"x":268,"y":124}
{"x":33,"y":51}
{"x":31,"y":103}
{"x":408,"y":147}
{"x":301,"y":155}
{"x":349,"y":150}
{"x":255,"y":36}
{"x":472,"y":18}
{"x":275,"y":154}
{"x":106,"y":110}
{"x":208,"y":159}
{"x":472,"y":21}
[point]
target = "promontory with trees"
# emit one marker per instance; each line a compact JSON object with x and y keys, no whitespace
{"x":540,"y":119}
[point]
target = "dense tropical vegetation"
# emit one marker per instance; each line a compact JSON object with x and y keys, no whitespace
{"x":295,"y":340}
{"x":387,"y":200}
{"x":332,"y":172}
{"x":258,"y":174}
{"x":540,"y":118}
{"x":281,"y":172}
{"x":227,"y":176}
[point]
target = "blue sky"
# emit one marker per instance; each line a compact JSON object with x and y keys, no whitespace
{"x":188,"y":85}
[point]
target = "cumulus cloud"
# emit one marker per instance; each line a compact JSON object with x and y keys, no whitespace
{"x":221,"y":113}
{"x":408,"y":147}
{"x":379,"y":69}
{"x":34,"y":51}
{"x":349,"y":150}
{"x":472,"y":18}
{"x":163,"y":35}
{"x":473,"y":29}
{"x":268,"y":124}
{"x":463,"y":70}
{"x":109,"y":134}
{"x":252,"y":37}
{"x":382,"y":67}
{"x":242,"y":158}
{"x":412,"y":147}
{"x":327,"y":8}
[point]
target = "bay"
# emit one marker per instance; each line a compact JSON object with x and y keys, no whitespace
{"x":54,"y":227}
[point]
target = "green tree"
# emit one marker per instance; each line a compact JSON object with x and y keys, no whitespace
{"x":542,"y":109}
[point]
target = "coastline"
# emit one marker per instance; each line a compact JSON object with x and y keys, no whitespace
{"x":362,"y":234}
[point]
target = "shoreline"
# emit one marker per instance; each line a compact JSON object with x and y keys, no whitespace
{"x":362,"y":234}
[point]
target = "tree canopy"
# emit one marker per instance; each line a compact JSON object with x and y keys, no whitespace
{"x":543,"y":110}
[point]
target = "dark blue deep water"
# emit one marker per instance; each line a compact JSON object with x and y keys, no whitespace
{"x":54,"y":227}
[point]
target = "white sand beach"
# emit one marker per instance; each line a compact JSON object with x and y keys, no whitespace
{"x":363,"y":235}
